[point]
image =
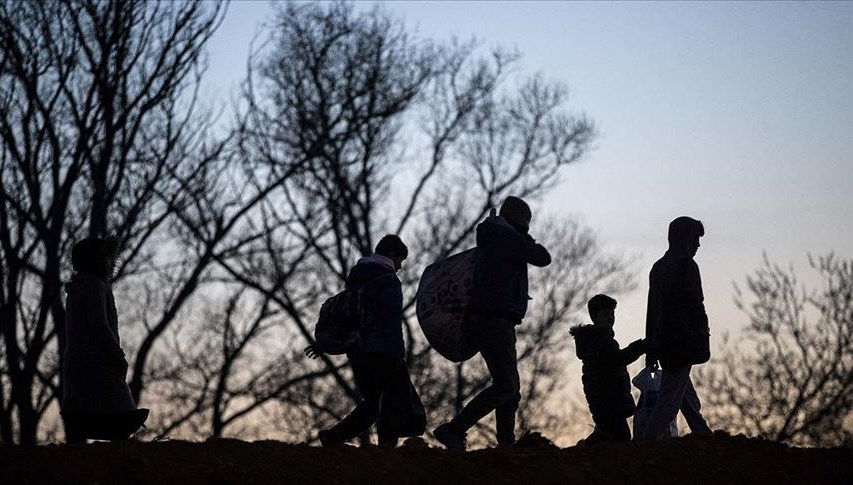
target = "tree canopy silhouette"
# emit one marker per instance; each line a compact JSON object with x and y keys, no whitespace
{"x":791,"y":377}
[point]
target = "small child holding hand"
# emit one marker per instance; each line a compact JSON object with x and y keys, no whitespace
{"x":606,"y":383}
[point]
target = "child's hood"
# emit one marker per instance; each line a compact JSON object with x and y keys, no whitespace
{"x":586,"y":337}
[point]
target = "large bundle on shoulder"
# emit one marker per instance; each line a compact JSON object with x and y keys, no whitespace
{"x":443,"y":298}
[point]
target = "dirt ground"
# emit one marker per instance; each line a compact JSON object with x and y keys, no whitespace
{"x":720,"y":460}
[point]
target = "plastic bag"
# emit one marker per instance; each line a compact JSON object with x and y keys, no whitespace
{"x":404,"y":413}
{"x":648,"y":383}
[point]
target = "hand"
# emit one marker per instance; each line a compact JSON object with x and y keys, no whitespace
{"x":652,"y":362}
{"x":313,"y":351}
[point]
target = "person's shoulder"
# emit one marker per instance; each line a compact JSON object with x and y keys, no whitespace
{"x":366,"y":272}
{"x":91,"y":282}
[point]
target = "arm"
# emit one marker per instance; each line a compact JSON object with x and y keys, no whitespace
{"x":534,"y":253}
{"x":524,"y":247}
{"x":632,"y":352}
{"x":98,"y":325}
{"x":697,"y":296}
{"x":608,"y":354}
{"x":652,"y":321}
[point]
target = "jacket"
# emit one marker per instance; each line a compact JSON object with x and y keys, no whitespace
{"x":500,"y":286}
{"x":606,"y":383}
{"x":94,"y":367}
{"x":676,"y":322}
{"x":382,"y":300}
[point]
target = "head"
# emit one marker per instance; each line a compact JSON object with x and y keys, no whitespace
{"x":684,"y":234}
{"x":517,"y":213}
{"x":392,"y":247}
{"x":95,"y":255}
{"x":602,"y":310}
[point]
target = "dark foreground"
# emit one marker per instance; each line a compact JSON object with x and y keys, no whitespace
{"x":719,"y":461}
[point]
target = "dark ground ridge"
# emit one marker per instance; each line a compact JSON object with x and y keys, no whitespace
{"x":720,"y":460}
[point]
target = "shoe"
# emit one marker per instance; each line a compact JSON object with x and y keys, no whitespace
{"x":330,"y":437}
{"x":450,"y":436}
{"x":388,"y":442}
{"x":701,"y":434}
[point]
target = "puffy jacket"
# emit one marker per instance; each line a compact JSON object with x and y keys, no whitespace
{"x":605,"y":377}
{"x":500,"y":269}
{"x":676,"y":322}
{"x":382,"y":327}
{"x":94,"y":365}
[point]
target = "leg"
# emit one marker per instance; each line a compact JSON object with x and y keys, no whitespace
{"x":392,"y":409}
{"x":497,"y":346}
{"x":371,"y":377}
{"x":610,"y":427}
{"x":690,"y":409}
{"x":73,"y":431}
{"x":505,"y":413}
{"x":672,"y":387}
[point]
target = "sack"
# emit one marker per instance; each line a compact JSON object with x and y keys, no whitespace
{"x":648,"y":383}
{"x":403,"y":412}
{"x":340,"y":320}
{"x":444,"y":294}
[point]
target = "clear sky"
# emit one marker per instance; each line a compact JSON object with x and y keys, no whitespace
{"x":739,"y":114}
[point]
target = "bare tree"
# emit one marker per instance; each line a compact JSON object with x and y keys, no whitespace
{"x":350,"y":127}
{"x":98,"y":135}
{"x":404,"y":135}
{"x":790,"y":378}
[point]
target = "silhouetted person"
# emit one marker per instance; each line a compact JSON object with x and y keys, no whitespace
{"x":377,"y":361}
{"x":677,"y":329}
{"x":606,"y":383}
{"x":96,"y":401}
{"x":498,"y":303}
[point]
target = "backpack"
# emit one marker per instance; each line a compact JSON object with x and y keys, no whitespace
{"x":341,"y":316}
{"x":442,"y":301}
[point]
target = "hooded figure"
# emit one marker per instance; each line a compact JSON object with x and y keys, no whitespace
{"x":96,"y":399}
{"x":677,"y":329}
{"x":499,"y":298}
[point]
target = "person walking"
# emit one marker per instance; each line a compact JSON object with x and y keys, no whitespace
{"x":498,"y":303}
{"x":677,"y":332}
{"x":378,"y":360}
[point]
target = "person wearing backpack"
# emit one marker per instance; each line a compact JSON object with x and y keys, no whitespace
{"x":377,"y":359}
{"x":498,"y":303}
{"x":677,"y":329}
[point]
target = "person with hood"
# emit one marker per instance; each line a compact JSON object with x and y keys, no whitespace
{"x":377,"y":362}
{"x":677,"y":329}
{"x":606,"y":383}
{"x":96,"y":400}
{"x":498,"y":303}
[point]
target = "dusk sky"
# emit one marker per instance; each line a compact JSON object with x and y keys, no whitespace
{"x":738,"y":114}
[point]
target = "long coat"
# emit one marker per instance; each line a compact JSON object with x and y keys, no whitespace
{"x":94,"y":364}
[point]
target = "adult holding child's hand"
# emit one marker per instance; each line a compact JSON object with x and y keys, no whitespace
{"x":677,"y":329}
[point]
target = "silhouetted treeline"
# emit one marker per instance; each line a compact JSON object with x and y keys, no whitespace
{"x":347,"y":126}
